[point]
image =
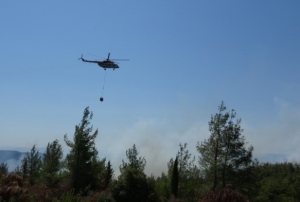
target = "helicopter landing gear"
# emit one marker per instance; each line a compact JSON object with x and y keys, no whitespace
{"x":101,"y":99}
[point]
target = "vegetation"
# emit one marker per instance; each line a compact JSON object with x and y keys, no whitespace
{"x":3,"y":168}
{"x":33,"y":164}
{"x":224,"y":158}
{"x":52,"y":164}
{"x":82,"y":159}
{"x":225,"y":172}
{"x":132,"y":184}
{"x":108,"y":174}
{"x":175,"y":179}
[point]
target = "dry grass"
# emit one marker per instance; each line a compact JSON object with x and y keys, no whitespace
{"x":226,"y":195}
{"x":13,"y":186}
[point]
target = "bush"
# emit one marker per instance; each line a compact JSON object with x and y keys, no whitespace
{"x":12,"y":187}
{"x":226,"y":195}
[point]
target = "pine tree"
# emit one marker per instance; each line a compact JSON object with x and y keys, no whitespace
{"x":175,"y":178}
{"x":83,"y":154}
{"x":24,"y":167}
{"x":3,"y":168}
{"x":235,"y":155}
{"x":134,"y":161}
{"x":189,"y":173}
{"x":185,"y":160}
{"x":108,"y":174}
{"x":224,"y":155}
{"x":99,"y":170}
{"x":32,"y":162}
{"x":52,"y":164}
{"x":132,"y":184}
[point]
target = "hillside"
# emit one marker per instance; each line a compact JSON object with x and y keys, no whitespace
{"x":12,"y":158}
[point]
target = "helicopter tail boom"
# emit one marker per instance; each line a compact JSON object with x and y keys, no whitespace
{"x":84,"y":60}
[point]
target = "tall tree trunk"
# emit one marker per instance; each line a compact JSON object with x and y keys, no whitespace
{"x":175,"y":179}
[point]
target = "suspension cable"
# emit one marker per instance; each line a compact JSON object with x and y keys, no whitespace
{"x":103,"y":83}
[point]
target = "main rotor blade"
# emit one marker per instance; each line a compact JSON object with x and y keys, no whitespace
{"x":94,"y":55}
{"x":120,"y":59}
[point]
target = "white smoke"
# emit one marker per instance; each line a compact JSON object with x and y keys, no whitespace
{"x":279,"y":138}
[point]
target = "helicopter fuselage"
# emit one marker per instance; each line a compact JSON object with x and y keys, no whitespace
{"x":107,"y":64}
{"x":104,"y":64}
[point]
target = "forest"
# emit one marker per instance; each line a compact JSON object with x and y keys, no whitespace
{"x":224,"y":171}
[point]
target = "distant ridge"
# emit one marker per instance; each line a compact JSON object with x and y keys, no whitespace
{"x":6,"y":155}
{"x":13,"y":158}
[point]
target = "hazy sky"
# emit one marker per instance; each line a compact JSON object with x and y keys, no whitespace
{"x":185,"y":58}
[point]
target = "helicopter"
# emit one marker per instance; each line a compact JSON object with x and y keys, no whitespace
{"x":108,"y":63}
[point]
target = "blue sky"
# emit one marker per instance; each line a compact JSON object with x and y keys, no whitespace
{"x":185,"y":58}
